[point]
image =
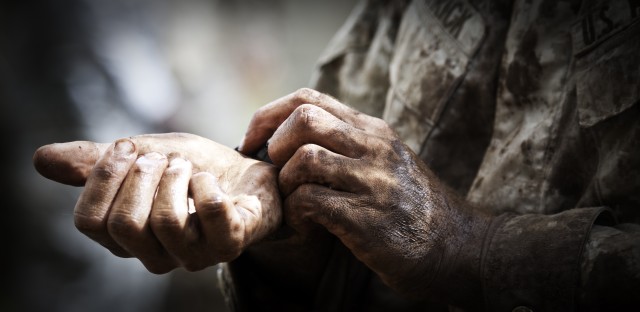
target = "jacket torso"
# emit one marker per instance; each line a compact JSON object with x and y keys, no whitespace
{"x":528,"y":107}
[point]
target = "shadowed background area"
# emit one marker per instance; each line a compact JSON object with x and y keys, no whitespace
{"x":100,"y":70}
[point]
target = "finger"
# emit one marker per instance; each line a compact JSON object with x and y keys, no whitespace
{"x":90,"y":213}
{"x":314,"y":164}
{"x":198,"y":149}
{"x":256,"y":197}
{"x":269,"y":117}
{"x":169,"y":219}
{"x":219,"y":220}
{"x":342,"y":214}
{"x":69,"y":163}
{"x":128,"y":221}
{"x":309,"y":124}
{"x":318,"y":204}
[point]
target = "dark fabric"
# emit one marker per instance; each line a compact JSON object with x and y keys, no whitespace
{"x":611,"y":251}
{"x":250,"y":288}
{"x":343,"y":286}
{"x":534,"y":260}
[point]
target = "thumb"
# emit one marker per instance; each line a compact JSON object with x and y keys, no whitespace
{"x":68,"y":163}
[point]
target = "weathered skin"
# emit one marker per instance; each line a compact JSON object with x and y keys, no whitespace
{"x":349,"y":173}
{"x":342,"y":171}
{"x":236,"y":198}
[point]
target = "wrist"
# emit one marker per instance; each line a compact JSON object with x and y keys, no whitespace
{"x":450,"y":270}
{"x":252,"y":183}
{"x":460,"y":278}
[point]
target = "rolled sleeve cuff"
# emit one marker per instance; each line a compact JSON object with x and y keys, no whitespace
{"x":533,"y":261}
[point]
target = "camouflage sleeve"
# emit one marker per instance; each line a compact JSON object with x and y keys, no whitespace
{"x":532,"y":262}
{"x":611,"y":269}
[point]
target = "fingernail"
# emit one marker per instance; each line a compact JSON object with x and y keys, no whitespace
{"x":124,"y":147}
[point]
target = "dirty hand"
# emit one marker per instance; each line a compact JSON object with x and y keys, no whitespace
{"x":136,"y":194}
{"x":349,"y":173}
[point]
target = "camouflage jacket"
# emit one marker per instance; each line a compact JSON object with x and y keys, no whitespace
{"x":528,"y":108}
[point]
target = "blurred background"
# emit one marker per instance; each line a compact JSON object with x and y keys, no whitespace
{"x":100,"y":70}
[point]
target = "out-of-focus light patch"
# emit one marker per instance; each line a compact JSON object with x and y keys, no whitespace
{"x":212,"y":87}
{"x":141,"y":74}
{"x":225,"y":71}
{"x":102,"y":117}
{"x":192,"y":44}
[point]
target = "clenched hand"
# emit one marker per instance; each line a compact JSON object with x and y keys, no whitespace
{"x":137,"y":190}
{"x":349,"y":173}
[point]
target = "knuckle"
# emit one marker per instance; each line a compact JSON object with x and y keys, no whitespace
{"x":306,"y":95}
{"x":123,"y":225}
{"x":210,"y":205}
{"x":174,"y":172}
{"x":144,"y":167}
{"x":311,"y":156}
{"x":108,"y":172}
{"x":308,"y":153}
{"x":89,"y":225}
{"x":164,"y":222}
{"x":304,"y":116}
